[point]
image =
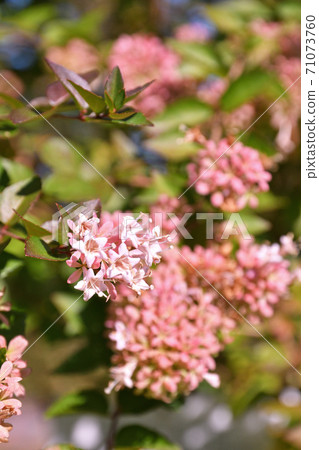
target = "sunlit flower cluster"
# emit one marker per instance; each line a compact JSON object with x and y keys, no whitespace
{"x":230,"y":176}
{"x":105,"y":254}
{"x":12,"y":370}
{"x":164,"y":341}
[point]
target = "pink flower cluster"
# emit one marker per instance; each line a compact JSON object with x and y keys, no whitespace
{"x":167,"y":213}
{"x":164,"y":342}
{"x":231,"y":176}
{"x":108,"y":253}
{"x":142,"y":58}
{"x":12,"y":370}
{"x":253,"y":281}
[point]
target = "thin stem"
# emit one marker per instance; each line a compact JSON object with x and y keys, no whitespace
{"x":110,"y":440}
{"x":4,"y":231}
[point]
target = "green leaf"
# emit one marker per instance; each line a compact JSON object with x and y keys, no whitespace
{"x":37,"y":248}
{"x":65,"y":76}
{"x":33,"y":229}
{"x":8,"y":129}
{"x":18,"y":197}
{"x":133,"y":93}
{"x":255,"y":224}
{"x":250,"y":85}
{"x":96,"y":103}
{"x":114,"y":89}
{"x":261,"y":142}
{"x":172,"y":146}
{"x":137,"y":120}
{"x":86,"y":401}
{"x":122,"y":115}
{"x":186,"y":111}
{"x":233,"y":16}
{"x":16,"y":171}
{"x":4,"y":177}
{"x":10,"y":267}
{"x":199,"y":59}
{"x":85,"y":360}
{"x":16,"y":324}
{"x":68,"y":305}
{"x":3,"y":352}
{"x":138,"y":437}
{"x":130,"y":403}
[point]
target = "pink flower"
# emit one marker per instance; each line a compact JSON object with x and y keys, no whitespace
{"x":165,"y":340}
{"x":230,"y":174}
{"x":12,"y":370}
{"x":117,"y":250}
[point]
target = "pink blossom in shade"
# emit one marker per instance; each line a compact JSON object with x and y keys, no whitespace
{"x":143,"y":58}
{"x":231,"y":176}
{"x":119,"y":249}
{"x":263,"y":277}
{"x":192,"y":32}
{"x":285,"y":114}
{"x":77,"y":55}
{"x":12,"y":370}
{"x":167,"y":337}
{"x":253,"y":280}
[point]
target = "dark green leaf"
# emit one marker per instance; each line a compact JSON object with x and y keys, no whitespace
{"x":7,"y":129}
{"x":136,"y":120}
{"x":37,"y":248}
{"x":86,"y":401}
{"x":83,"y":361}
{"x":95,"y":102}
{"x":130,"y":403}
{"x":140,"y":437}
{"x":15,"y":326}
{"x":3,"y":352}
{"x":114,"y":88}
